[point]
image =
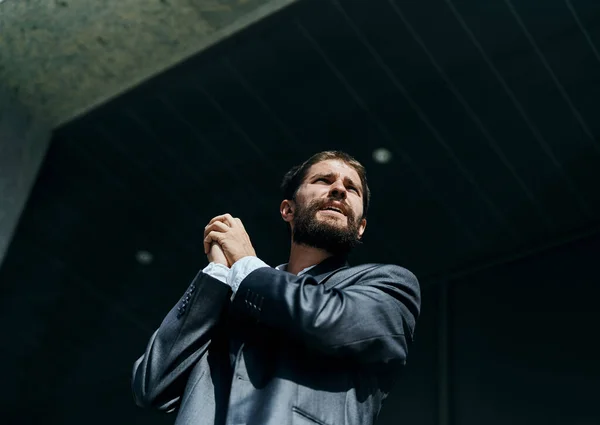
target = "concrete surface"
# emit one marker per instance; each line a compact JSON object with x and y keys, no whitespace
{"x":60,"y":58}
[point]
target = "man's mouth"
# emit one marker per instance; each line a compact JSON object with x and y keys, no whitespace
{"x":334,"y":209}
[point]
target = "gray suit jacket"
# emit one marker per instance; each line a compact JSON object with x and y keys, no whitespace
{"x":321,"y":348}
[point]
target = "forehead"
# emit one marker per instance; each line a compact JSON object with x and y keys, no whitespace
{"x":336,"y":167}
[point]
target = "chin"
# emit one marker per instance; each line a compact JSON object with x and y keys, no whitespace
{"x":335,"y":221}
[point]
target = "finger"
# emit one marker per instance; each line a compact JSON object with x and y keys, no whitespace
{"x":213,"y":237}
{"x":225,"y":218}
{"x":220,"y":218}
{"x":207,"y":245}
{"x":217,"y":226}
{"x":239,"y":223}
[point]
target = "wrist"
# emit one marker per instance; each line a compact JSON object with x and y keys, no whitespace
{"x":221,"y":263}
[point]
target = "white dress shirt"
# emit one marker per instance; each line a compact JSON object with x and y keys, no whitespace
{"x":237,"y":273}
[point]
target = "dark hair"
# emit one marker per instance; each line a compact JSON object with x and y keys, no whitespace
{"x":294,"y":178}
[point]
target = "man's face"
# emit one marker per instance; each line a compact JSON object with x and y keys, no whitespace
{"x":328,"y":209}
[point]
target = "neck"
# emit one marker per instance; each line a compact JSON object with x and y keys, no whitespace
{"x":302,"y":256}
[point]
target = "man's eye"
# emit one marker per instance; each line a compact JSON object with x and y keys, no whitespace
{"x":322,"y":179}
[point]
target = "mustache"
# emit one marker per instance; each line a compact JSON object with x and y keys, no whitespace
{"x":332,"y":202}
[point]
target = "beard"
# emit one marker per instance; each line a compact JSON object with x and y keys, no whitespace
{"x":325,"y":234}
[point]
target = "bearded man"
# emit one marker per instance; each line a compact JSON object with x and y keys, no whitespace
{"x":313,"y":341}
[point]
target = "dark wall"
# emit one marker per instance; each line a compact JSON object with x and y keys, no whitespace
{"x":415,"y":398}
{"x":521,"y":346}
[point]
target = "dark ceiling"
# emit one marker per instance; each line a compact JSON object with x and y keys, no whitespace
{"x":490,"y":110}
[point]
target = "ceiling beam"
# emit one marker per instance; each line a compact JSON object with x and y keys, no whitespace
{"x":61,"y":58}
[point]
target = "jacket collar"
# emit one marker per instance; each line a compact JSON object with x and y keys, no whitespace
{"x":322,"y":271}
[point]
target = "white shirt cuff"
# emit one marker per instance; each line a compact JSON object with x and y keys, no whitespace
{"x":243,"y":268}
{"x":217,"y":271}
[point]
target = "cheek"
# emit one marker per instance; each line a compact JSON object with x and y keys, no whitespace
{"x":309,"y":196}
{"x":357,"y":207}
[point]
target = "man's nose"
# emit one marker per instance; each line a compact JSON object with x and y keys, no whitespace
{"x":338,"y":190}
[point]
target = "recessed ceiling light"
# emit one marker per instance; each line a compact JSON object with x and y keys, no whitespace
{"x":144,"y":257}
{"x":382,"y":155}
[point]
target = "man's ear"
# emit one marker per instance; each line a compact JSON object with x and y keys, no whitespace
{"x":361,"y":228}
{"x":286,"y":209}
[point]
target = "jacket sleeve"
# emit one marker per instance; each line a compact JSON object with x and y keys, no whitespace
{"x":160,"y":375}
{"x":370,"y":320}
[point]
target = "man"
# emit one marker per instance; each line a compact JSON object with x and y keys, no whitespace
{"x":311,"y":342}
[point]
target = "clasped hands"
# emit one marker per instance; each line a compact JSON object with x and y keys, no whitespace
{"x":226,"y":240}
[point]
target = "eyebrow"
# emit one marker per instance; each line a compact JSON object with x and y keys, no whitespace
{"x":331,"y":175}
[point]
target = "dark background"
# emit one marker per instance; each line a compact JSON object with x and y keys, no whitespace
{"x":490,"y":110}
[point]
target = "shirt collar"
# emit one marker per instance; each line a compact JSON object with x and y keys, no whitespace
{"x":284,"y":268}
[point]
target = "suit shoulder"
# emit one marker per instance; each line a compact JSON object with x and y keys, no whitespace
{"x":384,"y":270}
